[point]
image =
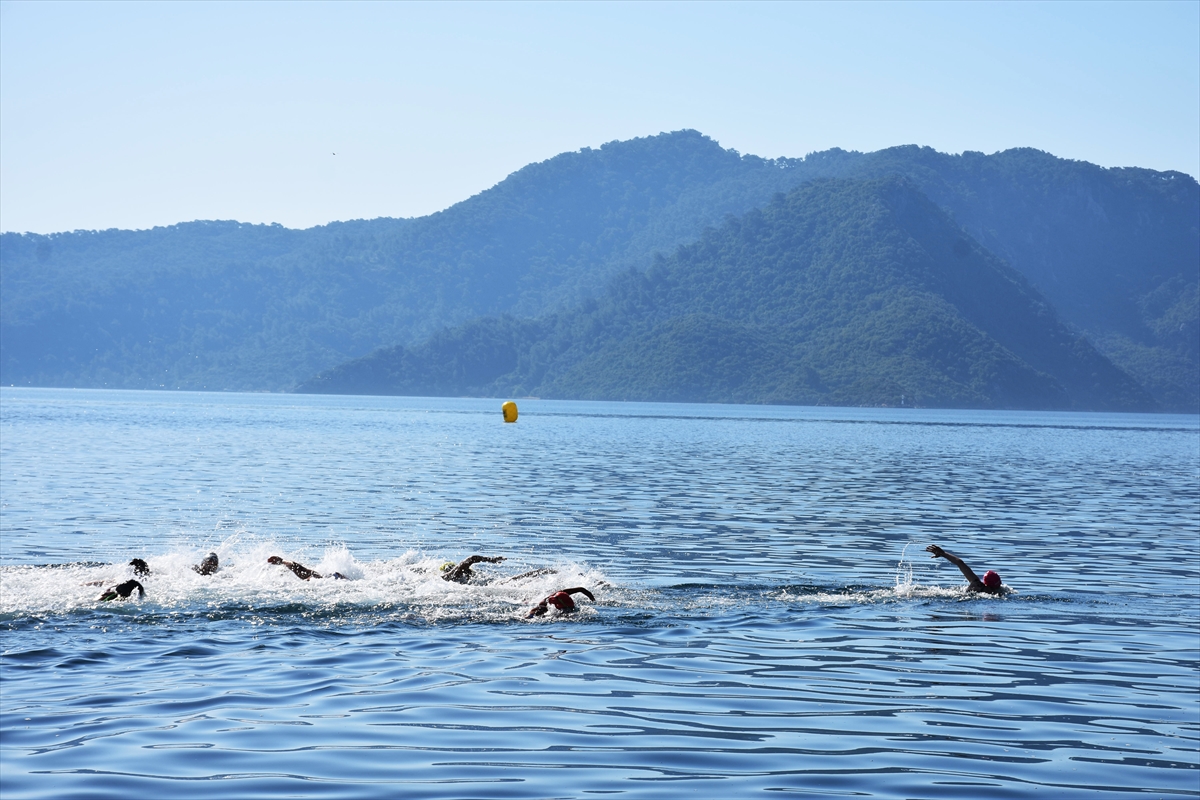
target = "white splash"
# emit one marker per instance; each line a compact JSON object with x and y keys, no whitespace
{"x":245,"y":580}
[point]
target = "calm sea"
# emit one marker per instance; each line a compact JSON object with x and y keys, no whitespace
{"x":765,"y":622}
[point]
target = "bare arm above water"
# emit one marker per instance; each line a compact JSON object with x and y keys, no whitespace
{"x":968,"y":573}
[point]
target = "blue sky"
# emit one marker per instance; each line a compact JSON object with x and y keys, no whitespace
{"x":132,"y":115}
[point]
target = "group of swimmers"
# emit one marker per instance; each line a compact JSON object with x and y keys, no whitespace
{"x":123,"y":591}
{"x":209,"y":565}
{"x":458,"y":573}
{"x":462,"y":572}
{"x":561,"y":600}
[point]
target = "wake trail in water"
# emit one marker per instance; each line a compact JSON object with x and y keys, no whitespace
{"x":410,"y":587}
{"x":412,"y":582}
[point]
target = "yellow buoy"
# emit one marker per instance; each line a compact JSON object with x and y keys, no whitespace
{"x":510,"y":411}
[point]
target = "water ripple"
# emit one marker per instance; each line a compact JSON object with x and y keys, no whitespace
{"x":765,"y":619}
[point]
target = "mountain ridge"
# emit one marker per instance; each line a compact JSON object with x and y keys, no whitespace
{"x":230,"y":306}
{"x":842,"y":292}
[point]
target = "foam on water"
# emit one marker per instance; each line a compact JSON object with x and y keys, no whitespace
{"x":409,"y":585}
{"x":411,"y":582}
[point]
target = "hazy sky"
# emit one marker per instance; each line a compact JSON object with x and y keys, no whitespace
{"x":142,"y":114}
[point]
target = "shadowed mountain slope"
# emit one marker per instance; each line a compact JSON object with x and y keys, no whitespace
{"x":1116,"y":251}
{"x":843,"y":292}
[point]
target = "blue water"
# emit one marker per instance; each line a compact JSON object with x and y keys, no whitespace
{"x":766,"y":620}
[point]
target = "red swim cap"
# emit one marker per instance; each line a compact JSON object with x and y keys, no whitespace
{"x":562,"y":601}
{"x":991,"y":579}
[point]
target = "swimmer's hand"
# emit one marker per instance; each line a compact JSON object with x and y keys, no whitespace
{"x":937,"y":551}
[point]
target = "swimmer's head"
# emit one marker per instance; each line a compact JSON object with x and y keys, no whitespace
{"x":449,"y":565}
{"x":274,"y":560}
{"x":991,"y":579}
{"x":140,"y":567}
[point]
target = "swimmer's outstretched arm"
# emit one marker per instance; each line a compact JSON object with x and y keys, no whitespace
{"x":968,"y":573}
{"x":533,"y":573}
{"x":462,"y":571}
{"x":580,"y":589}
{"x":476,"y":559}
{"x":302,"y":572}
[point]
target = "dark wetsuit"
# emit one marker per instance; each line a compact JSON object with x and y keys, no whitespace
{"x":533,"y":573}
{"x":123,"y":591}
{"x":461,"y":572}
{"x":302,"y":572}
{"x":209,"y":565}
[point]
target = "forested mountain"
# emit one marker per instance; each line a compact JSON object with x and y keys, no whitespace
{"x":843,"y":292}
{"x":220,"y":305}
{"x":195,"y":306}
{"x":1116,"y":251}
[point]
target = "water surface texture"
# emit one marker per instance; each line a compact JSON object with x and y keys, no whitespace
{"x":766,"y":620}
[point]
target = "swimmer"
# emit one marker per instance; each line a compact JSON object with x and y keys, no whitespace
{"x":461,"y":572}
{"x":208,"y":566}
{"x":302,"y":572}
{"x":140,"y":569}
{"x":123,"y":591}
{"x":533,"y":573}
{"x":991,"y":580}
{"x":560,"y":600}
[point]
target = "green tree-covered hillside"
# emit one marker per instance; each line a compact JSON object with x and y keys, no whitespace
{"x":226,"y":306}
{"x":1116,"y":251}
{"x":221,"y":305}
{"x":843,"y":292}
